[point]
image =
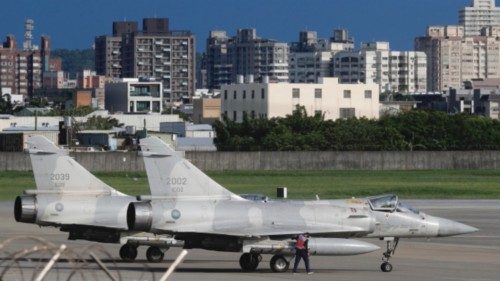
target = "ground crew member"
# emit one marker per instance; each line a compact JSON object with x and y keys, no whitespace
{"x":302,"y":252}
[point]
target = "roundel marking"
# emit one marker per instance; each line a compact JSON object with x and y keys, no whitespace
{"x":59,"y":207}
{"x":176,"y":214}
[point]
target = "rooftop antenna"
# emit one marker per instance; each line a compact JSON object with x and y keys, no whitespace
{"x":29,"y":26}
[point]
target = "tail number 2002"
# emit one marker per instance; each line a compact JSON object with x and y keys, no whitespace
{"x":177,"y":184}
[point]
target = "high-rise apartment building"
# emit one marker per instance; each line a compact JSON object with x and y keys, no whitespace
{"x":310,"y":57}
{"x":480,"y":13}
{"x":155,"y":53}
{"x":21,"y":69}
{"x":454,"y":58}
{"x":401,"y":71}
{"x":244,"y":55}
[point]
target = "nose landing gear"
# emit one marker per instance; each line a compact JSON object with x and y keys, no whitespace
{"x":392,"y":244}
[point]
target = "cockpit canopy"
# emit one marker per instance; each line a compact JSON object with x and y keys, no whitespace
{"x":390,"y":203}
{"x":387,"y":202}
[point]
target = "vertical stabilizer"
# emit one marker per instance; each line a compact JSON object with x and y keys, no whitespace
{"x":171,"y":175}
{"x":55,"y":170}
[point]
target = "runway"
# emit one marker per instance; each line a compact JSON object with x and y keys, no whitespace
{"x":469,"y":257}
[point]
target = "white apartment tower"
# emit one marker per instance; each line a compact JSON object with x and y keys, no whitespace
{"x":310,"y":57}
{"x":480,"y":13}
{"x":455,"y":58}
{"x":400,"y":71}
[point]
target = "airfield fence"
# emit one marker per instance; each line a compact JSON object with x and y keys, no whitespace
{"x":33,"y":258}
{"x":282,"y":160}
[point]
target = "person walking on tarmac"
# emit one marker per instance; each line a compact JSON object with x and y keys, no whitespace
{"x":302,"y":252}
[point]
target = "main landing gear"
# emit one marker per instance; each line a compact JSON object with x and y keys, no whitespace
{"x":279,"y":263}
{"x":128,"y":252}
{"x":250,"y":262}
{"x":392,"y":244}
{"x":155,"y":254}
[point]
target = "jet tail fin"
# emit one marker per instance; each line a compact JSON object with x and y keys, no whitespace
{"x":56,"y":171}
{"x":172,"y":176}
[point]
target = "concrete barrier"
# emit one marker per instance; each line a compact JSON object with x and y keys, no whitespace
{"x":283,"y":160}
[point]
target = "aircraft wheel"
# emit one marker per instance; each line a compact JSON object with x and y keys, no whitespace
{"x":249,"y":262}
{"x":154,"y":254}
{"x":128,"y":252}
{"x":279,"y":263}
{"x":386,"y":267}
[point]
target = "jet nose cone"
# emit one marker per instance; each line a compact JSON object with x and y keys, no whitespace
{"x":451,"y":228}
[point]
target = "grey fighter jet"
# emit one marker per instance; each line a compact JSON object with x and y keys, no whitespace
{"x":72,"y":199}
{"x":395,"y":220}
{"x":186,"y":203}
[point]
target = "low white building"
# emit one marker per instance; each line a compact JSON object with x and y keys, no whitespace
{"x":131,"y":95}
{"x":328,"y":97}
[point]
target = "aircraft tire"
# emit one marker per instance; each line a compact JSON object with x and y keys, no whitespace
{"x":386,"y":267}
{"x":249,"y":262}
{"x":279,"y":264}
{"x":154,"y":254}
{"x":128,"y":252}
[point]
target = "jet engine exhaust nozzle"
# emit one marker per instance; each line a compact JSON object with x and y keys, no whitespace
{"x":139,"y":216}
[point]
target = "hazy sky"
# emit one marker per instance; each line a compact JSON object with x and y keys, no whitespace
{"x":74,"y":23}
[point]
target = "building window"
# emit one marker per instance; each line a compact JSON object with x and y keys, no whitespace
{"x":253,"y":94}
{"x":234,"y":115}
{"x":225,"y":114}
{"x":296,"y":93}
{"x":318,"y":112}
{"x":225,"y":94}
{"x":262,"y":93}
{"x":234,"y":95}
{"x":244,"y":94}
{"x":347,"y":94}
{"x":347,"y":113}
{"x":368,"y":94}
{"x":253,"y":114}
{"x":318,"y":93}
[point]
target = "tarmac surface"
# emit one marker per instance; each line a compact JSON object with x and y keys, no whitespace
{"x":474,"y":256}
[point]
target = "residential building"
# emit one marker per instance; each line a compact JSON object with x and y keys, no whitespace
{"x":156,"y":53}
{"x":132,"y":95}
{"x":310,"y":57}
{"x":454,"y":58}
{"x":480,"y":14}
{"x":398,"y":71}
{"x":21,"y":69}
{"x":55,"y":64}
{"x":244,"y":54}
{"x":53,"y":80}
{"x":328,"y":97}
{"x":88,"y":79}
{"x":108,"y":54}
{"x":217,"y":62}
{"x":206,"y":110}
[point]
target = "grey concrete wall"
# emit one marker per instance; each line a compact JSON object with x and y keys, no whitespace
{"x":312,"y":160}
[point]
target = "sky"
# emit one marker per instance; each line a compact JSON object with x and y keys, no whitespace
{"x":73,"y":24}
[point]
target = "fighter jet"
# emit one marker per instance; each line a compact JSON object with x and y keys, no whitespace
{"x":72,"y":199}
{"x":187,"y":204}
{"x":395,"y":220}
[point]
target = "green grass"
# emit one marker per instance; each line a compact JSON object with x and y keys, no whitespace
{"x":306,"y":184}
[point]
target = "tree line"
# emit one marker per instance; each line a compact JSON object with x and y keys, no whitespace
{"x":413,"y":130}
